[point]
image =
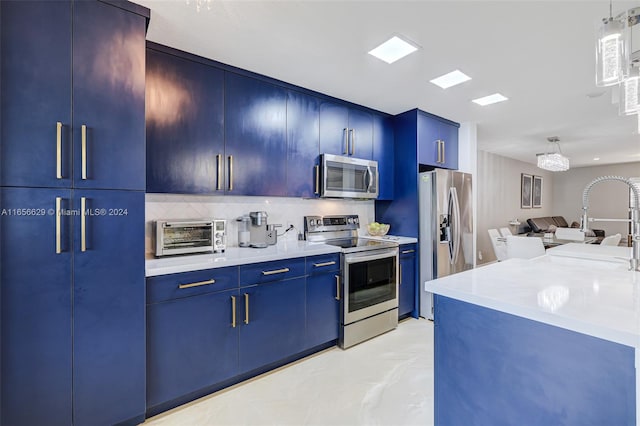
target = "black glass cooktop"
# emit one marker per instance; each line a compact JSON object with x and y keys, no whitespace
{"x":348,"y":243}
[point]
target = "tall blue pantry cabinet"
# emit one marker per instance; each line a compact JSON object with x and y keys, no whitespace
{"x":72,"y":175}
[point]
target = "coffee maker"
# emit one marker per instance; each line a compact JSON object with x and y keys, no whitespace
{"x":261,"y":234}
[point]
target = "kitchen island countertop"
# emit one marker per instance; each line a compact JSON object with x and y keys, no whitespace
{"x":584,"y":292}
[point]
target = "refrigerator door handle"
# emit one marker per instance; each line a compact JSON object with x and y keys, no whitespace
{"x":455,"y":224}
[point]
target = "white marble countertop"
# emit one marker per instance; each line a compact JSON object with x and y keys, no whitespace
{"x":576,"y":287}
{"x":234,"y":256}
{"x":393,"y":238}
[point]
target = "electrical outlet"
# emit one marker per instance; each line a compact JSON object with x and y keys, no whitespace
{"x":479,"y":254}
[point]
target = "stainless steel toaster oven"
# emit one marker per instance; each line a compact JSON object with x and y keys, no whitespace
{"x":184,"y":236}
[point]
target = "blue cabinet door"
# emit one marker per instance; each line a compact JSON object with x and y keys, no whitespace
{"x":407,"y":287}
{"x":383,"y":153}
{"x":36,"y":94}
{"x":428,"y":140}
{"x":36,"y":307}
{"x":255,"y":136}
{"x":360,"y":134}
{"x":323,"y":300}
{"x":192,"y":343}
{"x":437,"y":142}
{"x":272,"y":322}
{"x":185,"y":125}
{"x":108,"y":307}
{"x":449,"y":137}
{"x":334,"y":128}
{"x":108,"y":97}
{"x":303,"y":133}
{"x":345,"y":131}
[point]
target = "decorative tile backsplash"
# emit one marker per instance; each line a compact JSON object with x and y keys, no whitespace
{"x":280,"y":210}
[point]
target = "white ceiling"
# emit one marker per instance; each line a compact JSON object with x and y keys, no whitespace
{"x":537,"y":53}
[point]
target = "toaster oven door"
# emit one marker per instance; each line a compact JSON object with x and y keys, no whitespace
{"x":183,"y":237}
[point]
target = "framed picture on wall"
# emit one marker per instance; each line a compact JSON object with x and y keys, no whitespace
{"x":537,"y":192}
{"x":525,"y":191}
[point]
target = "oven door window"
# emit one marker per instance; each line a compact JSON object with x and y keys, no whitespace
{"x":371,"y":283}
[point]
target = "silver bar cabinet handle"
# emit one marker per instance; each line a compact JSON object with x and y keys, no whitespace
{"x":246,"y":308}
{"x":84,"y":152}
{"x":407,"y":251}
{"x":352,"y":136}
{"x":444,"y":158}
{"x":197,"y":284}
{"x":346,"y":141}
{"x":439,"y":152}
{"x":83,"y":224}
{"x":275,"y":271}
{"x":233,"y":311}
{"x":400,"y":274}
{"x":231,"y":173}
{"x":58,"y":243}
{"x":59,"y":150}
{"x":337,"y":287}
{"x":219,"y":163}
{"x":317,"y":191}
{"x":319,"y":265}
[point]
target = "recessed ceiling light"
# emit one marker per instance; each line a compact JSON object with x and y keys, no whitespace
{"x":596,"y":158}
{"x":393,"y":49}
{"x":450,"y":79}
{"x":491,"y":99}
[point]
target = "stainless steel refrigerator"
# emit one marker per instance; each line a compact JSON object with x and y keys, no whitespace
{"x":446,"y":228}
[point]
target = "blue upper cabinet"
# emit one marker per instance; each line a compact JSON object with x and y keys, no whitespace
{"x":360,"y":134}
{"x":100,"y":79}
{"x":437,"y":141}
{"x":35,"y":141}
{"x":185,"y":125}
{"x":345,"y":131}
{"x":303,"y":132}
{"x":255,"y":136}
{"x":383,"y":153}
{"x":108,"y":97}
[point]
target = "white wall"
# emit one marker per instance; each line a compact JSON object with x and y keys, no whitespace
{"x":280,"y":210}
{"x":498,"y":185}
{"x":606,"y":199}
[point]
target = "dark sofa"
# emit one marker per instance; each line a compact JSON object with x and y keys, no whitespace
{"x":542,"y":224}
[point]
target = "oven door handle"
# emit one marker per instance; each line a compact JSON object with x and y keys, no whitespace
{"x":358,"y":258}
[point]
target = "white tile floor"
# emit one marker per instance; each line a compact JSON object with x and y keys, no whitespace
{"x":387,"y":380}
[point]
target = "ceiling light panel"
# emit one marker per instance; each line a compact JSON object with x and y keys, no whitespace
{"x":451,"y":79}
{"x":491,"y":99}
{"x":393,"y":49}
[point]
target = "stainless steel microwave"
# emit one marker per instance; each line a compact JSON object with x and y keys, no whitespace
{"x":347,"y":177}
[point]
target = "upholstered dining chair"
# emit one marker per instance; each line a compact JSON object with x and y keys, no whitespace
{"x":499,"y":245}
{"x":524,"y":247}
{"x":611,"y":240}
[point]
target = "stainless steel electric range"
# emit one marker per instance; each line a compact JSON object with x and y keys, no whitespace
{"x":369,"y":293}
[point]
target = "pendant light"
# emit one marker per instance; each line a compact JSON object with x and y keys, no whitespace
{"x":553,"y":160}
{"x":610,"y":51}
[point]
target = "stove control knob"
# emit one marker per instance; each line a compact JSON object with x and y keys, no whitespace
{"x":312,"y":222}
{"x":356,"y":220}
{"x":350,"y":220}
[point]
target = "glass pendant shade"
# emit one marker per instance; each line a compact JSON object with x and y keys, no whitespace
{"x":610,"y":54}
{"x":553,"y":161}
{"x":629,"y":91}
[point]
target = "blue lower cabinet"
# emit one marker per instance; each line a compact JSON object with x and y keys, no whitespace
{"x":323,"y":299}
{"x":108,"y":307}
{"x":407,"y":287}
{"x":493,"y":368}
{"x":192,"y":343}
{"x":272,"y":322}
{"x":36,"y":309}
